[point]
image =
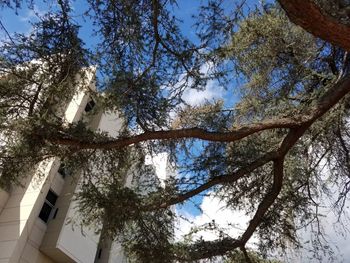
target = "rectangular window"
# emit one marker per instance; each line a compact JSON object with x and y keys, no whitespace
{"x":48,"y":205}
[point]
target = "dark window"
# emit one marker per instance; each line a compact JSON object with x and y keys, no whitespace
{"x":51,"y":197}
{"x":90,"y":105}
{"x":45,"y":212}
{"x":99,"y":253}
{"x":48,"y":205}
{"x":63,"y":170}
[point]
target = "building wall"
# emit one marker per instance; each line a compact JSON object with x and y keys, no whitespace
{"x":65,"y":240}
{"x":25,"y":238}
{"x":4,"y":195}
{"x":20,"y":213}
{"x":21,"y":231}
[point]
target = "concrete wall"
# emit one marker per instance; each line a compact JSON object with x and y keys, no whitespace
{"x":4,"y":196}
{"x":21,"y":212}
{"x":26,"y":238}
{"x":21,"y":231}
{"x":65,"y":239}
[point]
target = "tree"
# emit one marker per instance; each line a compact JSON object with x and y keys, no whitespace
{"x":263,"y":154}
{"x":332,"y":19}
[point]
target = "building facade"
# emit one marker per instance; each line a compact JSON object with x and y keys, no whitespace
{"x":39,"y":220}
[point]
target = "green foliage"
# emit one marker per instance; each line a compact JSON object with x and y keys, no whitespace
{"x":104,"y":200}
{"x":281,"y":63}
{"x":38,"y":77}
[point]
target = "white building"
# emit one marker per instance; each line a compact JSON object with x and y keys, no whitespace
{"x":35,"y":220}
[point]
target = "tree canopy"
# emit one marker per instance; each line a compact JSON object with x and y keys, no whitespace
{"x":276,"y":146}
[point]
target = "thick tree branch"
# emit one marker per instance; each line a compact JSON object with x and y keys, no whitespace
{"x":329,"y":99}
{"x":208,"y":249}
{"x":308,"y":15}
{"x":198,"y":133}
{"x":325,"y":102}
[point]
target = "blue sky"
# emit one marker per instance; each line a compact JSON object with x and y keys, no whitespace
{"x":20,"y":22}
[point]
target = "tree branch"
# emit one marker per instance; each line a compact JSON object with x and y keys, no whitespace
{"x":278,"y":158}
{"x":219,"y":180}
{"x":305,"y":119}
{"x":246,"y":256}
{"x":198,"y":133}
{"x":207,"y":249}
{"x":308,"y":15}
{"x":34,"y":100}
{"x":267,"y":201}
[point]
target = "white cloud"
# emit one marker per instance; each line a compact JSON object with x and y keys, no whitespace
{"x":211,"y":91}
{"x":235,"y":222}
{"x":160,"y":162}
{"x":336,"y":230}
{"x":336,"y":236}
{"x":28,"y":16}
{"x":213,"y":209}
{"x":197,"y":97}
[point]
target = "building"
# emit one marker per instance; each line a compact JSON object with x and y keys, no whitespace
{"x":39,"y":221}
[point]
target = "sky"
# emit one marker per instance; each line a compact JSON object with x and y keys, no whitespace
{"x":211,"y":208}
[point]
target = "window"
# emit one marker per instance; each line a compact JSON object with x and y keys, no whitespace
{"x":90,"y":105}
{"x":63,"y":170}
{"x":48,"y":205}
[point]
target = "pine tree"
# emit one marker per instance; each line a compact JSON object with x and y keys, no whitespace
{"x":262,"y":154}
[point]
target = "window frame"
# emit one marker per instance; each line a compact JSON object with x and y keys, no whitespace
{"x":48,"y":206}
